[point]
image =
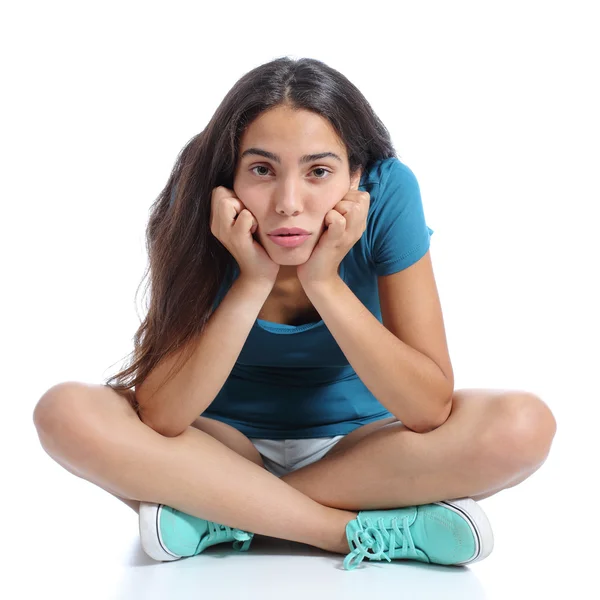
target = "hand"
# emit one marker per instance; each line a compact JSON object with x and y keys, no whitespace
{"x":345,"y":223}
{"x":234,"y":225}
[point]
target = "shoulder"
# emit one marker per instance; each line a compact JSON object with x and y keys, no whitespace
{"x":388,"y":171}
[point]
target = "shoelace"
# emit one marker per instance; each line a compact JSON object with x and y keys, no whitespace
{"x":216,"y":532}
{"x":376,"y":538}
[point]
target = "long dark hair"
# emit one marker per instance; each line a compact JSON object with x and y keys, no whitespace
{"x":187,"y":263}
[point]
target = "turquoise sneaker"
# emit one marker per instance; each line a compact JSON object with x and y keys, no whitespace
{"x":452,"y":532}
{"x":169,"y":534}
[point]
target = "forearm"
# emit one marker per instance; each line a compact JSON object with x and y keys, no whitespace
{"x":408,"y":383}
{"x":171,"y":408}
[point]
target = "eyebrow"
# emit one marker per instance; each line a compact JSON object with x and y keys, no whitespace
{"x":276,"y":158}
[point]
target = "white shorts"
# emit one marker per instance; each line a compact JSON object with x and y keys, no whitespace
{"x":284,"y":456}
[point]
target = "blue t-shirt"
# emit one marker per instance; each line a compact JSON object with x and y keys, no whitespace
{"x":294,"y":381}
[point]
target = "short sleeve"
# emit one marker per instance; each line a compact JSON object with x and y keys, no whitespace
{"x":399,"y":235}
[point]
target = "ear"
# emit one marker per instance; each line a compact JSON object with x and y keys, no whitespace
{"x":355,"y":179}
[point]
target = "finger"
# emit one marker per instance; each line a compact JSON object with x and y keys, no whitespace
{"x":247,"y":220}
{"x":344,"y":206}
{"x":239,"y":216}
{"x":338,"y":223}
{"x":330,"y":217}
{"x":233,"y":211}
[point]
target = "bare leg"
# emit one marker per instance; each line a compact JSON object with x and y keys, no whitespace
{"x":94,"y":433}
{"x":133,"y":504}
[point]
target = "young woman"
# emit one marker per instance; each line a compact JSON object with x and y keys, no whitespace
{"x":294,"y":308}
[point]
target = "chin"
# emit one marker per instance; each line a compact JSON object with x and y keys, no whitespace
{"x":288,"y":261}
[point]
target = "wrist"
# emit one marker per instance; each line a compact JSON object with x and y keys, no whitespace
{"x":322,"y":286}
{"x":255,"y":285}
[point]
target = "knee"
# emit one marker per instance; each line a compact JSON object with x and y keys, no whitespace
{"x":521,"y":430}
{"x":65,"y":420}
{"x":58,"y":403}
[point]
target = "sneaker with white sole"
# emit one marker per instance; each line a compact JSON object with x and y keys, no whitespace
{"x":169,"y":534}
{"x":451,"y":532}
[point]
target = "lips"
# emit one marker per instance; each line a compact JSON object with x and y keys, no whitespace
{"x":289,"y":241}
{"x":288,"y":231}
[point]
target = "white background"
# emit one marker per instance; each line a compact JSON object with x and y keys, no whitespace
{"x":493,"y":105}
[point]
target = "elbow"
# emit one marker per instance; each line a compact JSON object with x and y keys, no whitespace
{"x":170,"y":432}
{"x":148,"y":413}
{"x":432,"y":423}
{"x":162,"y":429}
{"x":157,"y":413}
{"x":149,"y":419}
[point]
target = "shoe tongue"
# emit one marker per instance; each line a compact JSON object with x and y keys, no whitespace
{"x":417,"y":528}
{"x":373,"y":516}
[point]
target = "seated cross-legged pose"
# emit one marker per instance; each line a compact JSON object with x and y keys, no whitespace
{"x":291,"y":378}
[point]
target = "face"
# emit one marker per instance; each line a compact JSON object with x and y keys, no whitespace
{"x":290,"y":193}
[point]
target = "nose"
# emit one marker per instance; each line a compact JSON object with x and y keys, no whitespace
{"x":287,"y":198}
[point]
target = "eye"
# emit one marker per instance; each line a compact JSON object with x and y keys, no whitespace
{"x":321,"y":169}
{"x":258,"y":167}
{"x":312,"y":171}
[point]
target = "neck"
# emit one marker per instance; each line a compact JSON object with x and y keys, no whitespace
{"x":287,"y":282}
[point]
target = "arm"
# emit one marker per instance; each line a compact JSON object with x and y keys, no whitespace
{"x":408,"y":383}
{"x":178,"y":403}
